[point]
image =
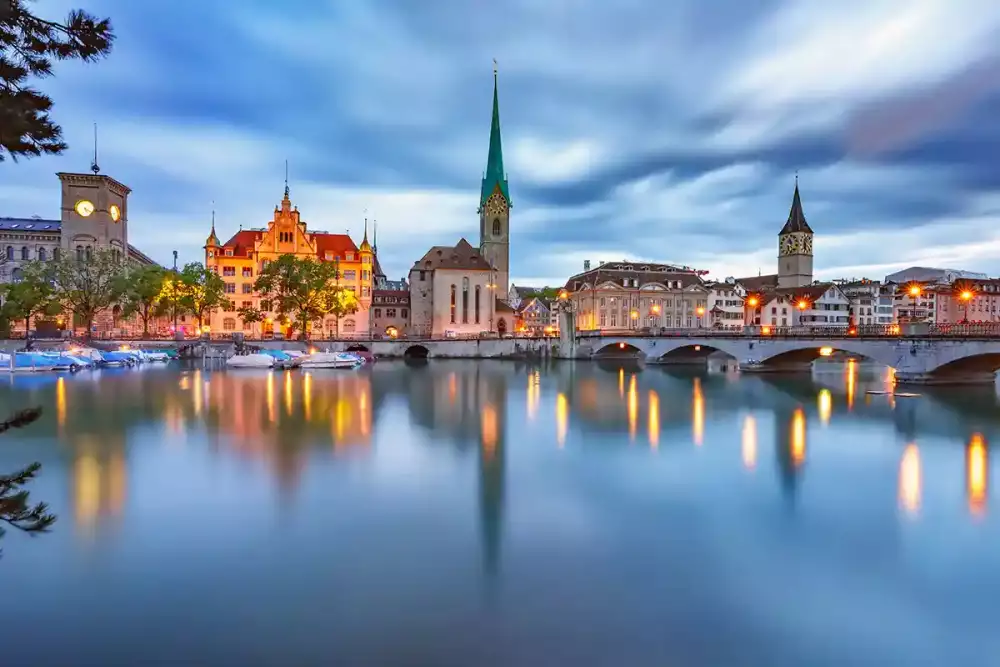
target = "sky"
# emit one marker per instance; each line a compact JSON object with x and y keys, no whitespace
{"x":635,"y":129}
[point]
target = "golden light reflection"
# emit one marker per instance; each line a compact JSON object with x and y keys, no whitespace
{"x":977,"y":474}
{"x":654,"y":419}
{"x":697,"y":413}
{"x":61,"y":401}
{"x":633,"y":408}
{"x":621,"y":382}
{"x":852,"y":377}
{"x":87,"y":480}
{"x":307,"y":383}
{"x":910,"y":480}
{"x":798,"y":437}
{"x":534,"y":394}
{"x":824,"y":403}
{"x":749,"y":445}
{"x":489,"y":431}
{"x":452,"y":388}
{"x":288,"y":393}
{"x":271,"y":411}
{"x":562,"y":418}
{"x":364,"y":418}
{"x":196,"y":393}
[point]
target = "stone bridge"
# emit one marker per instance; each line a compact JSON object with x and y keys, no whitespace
{"x":915,"y":360}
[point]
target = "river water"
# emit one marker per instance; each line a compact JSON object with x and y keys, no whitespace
{"x":494,"y":513}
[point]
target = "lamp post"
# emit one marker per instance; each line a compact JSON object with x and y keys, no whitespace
{"x":173,"y":299}
{"x":700,"y":312}
{"x":966,"y":296}
{"x":914,"y":293}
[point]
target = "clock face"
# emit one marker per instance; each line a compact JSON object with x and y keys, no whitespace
{"x":84,"y":208}
{"x":116,"y":213}
{"x":496,"y":205}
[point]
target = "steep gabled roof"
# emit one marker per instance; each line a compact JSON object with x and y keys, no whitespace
{"x":462,"y":256}
{"x":796,"y":218}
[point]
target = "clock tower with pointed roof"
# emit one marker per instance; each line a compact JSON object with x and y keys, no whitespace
{"x":795,"y":247}
{"x":494,"y":206}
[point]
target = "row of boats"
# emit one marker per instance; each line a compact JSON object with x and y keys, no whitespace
{"x":77,"y":359}
{"x":295,"y":359}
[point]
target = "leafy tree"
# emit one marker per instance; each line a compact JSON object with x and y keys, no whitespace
{"x":31,"y":296}
{"x":341,"y":303}
{"x":28,"y":46}
{"x":141,"y":290}
{"x":14,"y":507}
{"x":250,"y":315}
{"x":201,"y":291}
{"x":301,"y":289}
{"x":86,"y":287}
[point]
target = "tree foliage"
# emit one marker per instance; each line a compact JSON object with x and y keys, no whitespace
{"x":86,"y":287}
{"x":304,"y":290}
{"x":141,"y":289}
{"x":32,"y":295}
{"x":28,"y":47}
{"x":200,"y":291}
{"x":15,"y":509}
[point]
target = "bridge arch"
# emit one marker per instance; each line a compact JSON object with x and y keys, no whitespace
{"x":621,"y":348}
{"x":416,"y":352}
{"x":694,"y":351}
{"x":656,"y":347}
{"x":356,"y":347}
{"x":956,"y":366}
{"x":807,"y":351}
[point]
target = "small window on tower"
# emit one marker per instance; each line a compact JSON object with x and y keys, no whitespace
{"x":496,"y":227}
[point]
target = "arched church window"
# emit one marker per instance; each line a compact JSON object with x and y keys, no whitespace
{"x":42,"y":256}
{"x":10,"y":252}
{"x":496,"y":227}
{"x":24,"y":253}
{"x":79,"y":253}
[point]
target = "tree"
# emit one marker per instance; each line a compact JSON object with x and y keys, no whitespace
{"x":31,"y":296}
{"x":250,"y":315}
{"x":341,"y":303}
{"x":14,"y":507}
{"x":201,"y":291}
{"x":86,"y":287}
{"x":301,"y":289}
{"x":141,"y":289}
{"x":28,"y":46}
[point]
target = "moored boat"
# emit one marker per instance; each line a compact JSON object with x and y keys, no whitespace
{"x":250,"y":361}
{"x":329,"y":360}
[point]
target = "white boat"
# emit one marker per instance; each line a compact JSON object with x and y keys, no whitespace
{"x":329,"y":360}
{"x":250,"y":361}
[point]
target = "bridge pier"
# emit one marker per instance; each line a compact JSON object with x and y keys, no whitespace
{"x":946,"y":379}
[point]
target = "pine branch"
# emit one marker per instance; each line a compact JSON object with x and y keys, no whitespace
{"x":21,"y":419}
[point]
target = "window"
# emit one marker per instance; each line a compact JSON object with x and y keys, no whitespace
{"x":365,"y":275}
{"x":248,"y":272}
{"x":89,"y":253}
{"x":350,"y":275}
{"x":10,"y":253}
{"x":452,"y":304}
{"x":465,"y":300}
{"x":378,"y":312}
{"x":329,"y":256}
{"x":477,"y":305}
{"x":229,"y":270}
{"x":246,"y":304}
{"x":349,"y":256}
{"x":366,"y":291}
{"x":230,"y":288}
{"x":423,"y":275}
{"x":229,"y":252}
{"x":366,"y":260}
{"x":496,"y":227}
{"x":404,"y":313}
{"x":229,"y":324}
{"x":247,"y":288}
{"x":41,"y":255}
{"x":390,"y":312}
{"x":349,"y":325}
{"x":24,"y":253}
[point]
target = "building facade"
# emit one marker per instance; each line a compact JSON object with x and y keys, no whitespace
{"x":820,"y":305}
{"x":638,"y":295}
{"x":726,"y":304}
{"x":534,"y":317}
{"x":795,"y":247}
{"x":93,"y":215}
{"x":391,"y":310}
{"x":240,"y":260}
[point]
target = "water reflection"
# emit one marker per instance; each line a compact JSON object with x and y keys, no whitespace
{"x":349,"y":443}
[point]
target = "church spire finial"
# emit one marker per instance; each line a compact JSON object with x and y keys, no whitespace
{"x":374,"y":236}
{"x":93,"y":165}
{"x":213,"y":240}
{"x":286,"y":179}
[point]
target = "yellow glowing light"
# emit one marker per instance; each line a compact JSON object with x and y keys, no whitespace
{"x":749,"y":444}
{"x":825,"y":351}
{"x":563,"y":294}
{"x":197,"y":392}
{"x":798,"y":437}
{"x":976,"y":474}
{"x":87,"y":480}
{"x":654,"y":419}
{"x":74,"y":350}
{"x":621,"y":346}
{"x":61,"y":401}
{"x":697,"y":413}
{"x":634,"y":314}
{"x":802,"y":304}
{"x":269,"y":393}
{"x":824,"y":403}
{"x":765,"y":330}
{"x":562,"y":418}
{"x":307,"y":395}
{"x":697,"y":348}
{"x":753,"y":301}
{"x":852,"y":377}
{"x":489,"y":431}
{"x":392,"y":332}
{"x":894,"y":329}
{"x":84,"y":208}
{"x":700,"y":311}
{"x":915,"y":290}
{"x":910,"y":480}
{"x":656,"y":310}
{"x":123,"y":348}
{"x":288,"y":393}
{"x":621,"y":382}
{"x":966,"y":295}
{"x":633,"y":408}
{"x":534,"y":394}
{"x":452,"y":388}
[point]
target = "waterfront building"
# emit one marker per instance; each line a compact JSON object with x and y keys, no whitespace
{"x":637,"y":295}
{"x":726,"y":304}
{"x":391,"y":309}
{"x":817,"y":305}
{"x":534,"y":317}
{"x":93,"y":214}
{"x":871,"y":301}
{"x":240,"y":260}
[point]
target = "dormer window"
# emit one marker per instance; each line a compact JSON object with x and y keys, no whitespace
{"x":350,"y":256}
{"x":229,"y":252}
{"x":329,"y":256}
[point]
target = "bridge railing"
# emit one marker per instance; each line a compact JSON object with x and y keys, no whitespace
{"x":918,"y":330}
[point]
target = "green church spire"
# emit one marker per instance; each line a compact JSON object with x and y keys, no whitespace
{"x":495,"y":175}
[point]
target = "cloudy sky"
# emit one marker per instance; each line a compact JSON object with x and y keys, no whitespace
{"x":666,"y":130}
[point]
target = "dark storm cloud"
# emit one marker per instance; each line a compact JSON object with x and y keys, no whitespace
{"x":655,"y":129}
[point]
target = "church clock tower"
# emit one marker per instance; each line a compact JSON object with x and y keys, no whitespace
{"x":494,"y":206}
{"x":795,"y":247}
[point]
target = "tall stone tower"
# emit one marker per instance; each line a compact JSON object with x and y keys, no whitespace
{"x":494,"y":207}
{"x":795,"y":247}
{"x":94,"y":213}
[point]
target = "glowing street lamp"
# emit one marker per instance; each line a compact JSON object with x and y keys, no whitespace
{"x":802,"y":304}
{"x":753,"y":302}
{"x":656,"y":309}
{"x":966,"y":296}
{"x":914,"y":290}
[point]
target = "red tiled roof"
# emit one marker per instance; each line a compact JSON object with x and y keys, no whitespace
{"x":338,"y":244}
{"x":462,"y":256}
{"x":242,"y":241}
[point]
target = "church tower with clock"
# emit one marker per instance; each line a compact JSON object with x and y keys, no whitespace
{"x":795,"y":247}
{"x":494,"y":207}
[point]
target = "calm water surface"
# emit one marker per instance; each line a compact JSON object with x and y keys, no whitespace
{"x":471,"y":514}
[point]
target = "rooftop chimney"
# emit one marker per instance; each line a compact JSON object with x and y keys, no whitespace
{"x":586,"y":265}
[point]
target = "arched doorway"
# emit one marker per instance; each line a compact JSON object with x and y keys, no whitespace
{"x":502,"y":326}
